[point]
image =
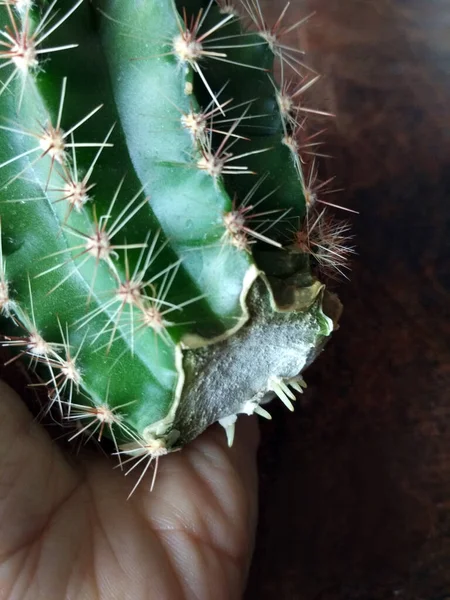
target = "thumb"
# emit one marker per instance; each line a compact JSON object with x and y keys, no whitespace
{"x":34,"y":476}
{"x":208,"y":493}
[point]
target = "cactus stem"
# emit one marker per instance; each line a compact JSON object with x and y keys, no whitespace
{"x":75,"y":190}
{"x":273,"y":35}
{"x":206,"y":245}
{"x":327,"y":240}
{"x":22,"y":46}
{"x":236,"y":222}
{"x":199,"y":124}
{"x":128,"y":293}
{"x":237,"y":230}
{"x":293,"y":141}
{"x":153,"y":317}
{"x":217,"y":162}
{"x":34,"y":346}
{"x":127,"y":213}
{"x":67,"y":365}
{"x":33,"y":343}
{"x":68,"y":377}
{"x":303,"y":145}
{"x":131,"y":292}
{"x":52,"y":141}
{"x":190,"y":46}
{"x":95,"y":247}
{"x":98,"y":244}
{"x":313,"y":187}
{"x":149,"y":451}
{"x":99,"y":417}
{"x":287,"y":95}
{"x":290,"y":141}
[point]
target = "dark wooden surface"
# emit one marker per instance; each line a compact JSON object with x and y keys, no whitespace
{"x":355,"y":487}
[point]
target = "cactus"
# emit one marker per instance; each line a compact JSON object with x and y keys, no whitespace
{"x":163,"y":227}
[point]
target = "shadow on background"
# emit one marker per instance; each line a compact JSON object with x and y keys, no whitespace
{"x":355,"y":487}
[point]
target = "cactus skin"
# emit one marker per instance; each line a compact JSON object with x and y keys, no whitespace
{"x":150,"y":305}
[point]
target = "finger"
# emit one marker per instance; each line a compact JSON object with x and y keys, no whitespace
{"x":34,"y":477}
{"x":242,"y":456}
{"x":204,"y":509}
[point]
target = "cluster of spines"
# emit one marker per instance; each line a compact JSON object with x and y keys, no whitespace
{"x":322,"y":238}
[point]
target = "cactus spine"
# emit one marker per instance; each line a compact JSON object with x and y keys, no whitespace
{"x":159,"y":213}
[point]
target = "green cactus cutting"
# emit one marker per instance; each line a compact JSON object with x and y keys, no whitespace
{"x":163,"y":226}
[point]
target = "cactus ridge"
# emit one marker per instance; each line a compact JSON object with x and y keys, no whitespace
{"x":162,"y":217}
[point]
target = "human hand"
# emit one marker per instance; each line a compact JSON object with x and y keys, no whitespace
{"x":68,"y":531}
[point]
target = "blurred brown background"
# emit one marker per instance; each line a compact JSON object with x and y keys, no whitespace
{"x":355,"y":487}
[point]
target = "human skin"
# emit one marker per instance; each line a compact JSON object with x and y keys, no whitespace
{"x":68,"y":532}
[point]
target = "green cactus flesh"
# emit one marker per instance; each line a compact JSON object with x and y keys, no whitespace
{"x":153,"y":207}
